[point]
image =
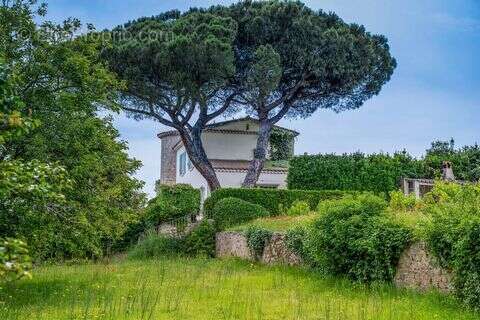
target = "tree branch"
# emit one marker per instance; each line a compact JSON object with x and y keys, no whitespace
{"x":221,"y":110}
{"x":280,"y":114}
{"x":287,"y":96}
{"x":151,"y":113}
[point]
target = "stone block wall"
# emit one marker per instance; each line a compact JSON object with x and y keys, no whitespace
{"x":168,"y":164}
{"x":234,"y":244}
{"x":418,"y":269}
{"x":276,"y":251}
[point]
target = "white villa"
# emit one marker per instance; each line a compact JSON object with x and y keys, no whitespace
{"x":229,"y":146}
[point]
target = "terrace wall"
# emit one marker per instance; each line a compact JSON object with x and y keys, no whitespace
{"x":234,"y":244}
{"x":417,"y":268}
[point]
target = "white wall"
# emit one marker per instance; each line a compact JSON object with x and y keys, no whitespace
{"x":229,"y":146}
{"x":226,"y":179}
{"x":192,"y":177}
{"x":242,"y":126}
{"x":235,"y":179}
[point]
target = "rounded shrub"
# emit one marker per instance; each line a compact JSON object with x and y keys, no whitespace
{"x":353,"y":237}
{"x":173,"y":201}
{"x":233,"y":211}
{"x":276,"y":201}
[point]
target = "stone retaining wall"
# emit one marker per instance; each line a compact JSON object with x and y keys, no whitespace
{"x":276,"y":251}
{"x":234,"y":244}
{"x":417,"y":269}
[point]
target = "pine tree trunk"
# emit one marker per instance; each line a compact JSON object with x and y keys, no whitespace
{"x":259,"y":155}
{"x":198,"y":157}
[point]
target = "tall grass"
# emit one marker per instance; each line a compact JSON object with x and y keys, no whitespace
{"x":181,"y":288}
{"x":153,"y":245}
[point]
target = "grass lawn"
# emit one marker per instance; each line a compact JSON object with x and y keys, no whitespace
{"x":278,"y":223}
{"x":179,"y":288}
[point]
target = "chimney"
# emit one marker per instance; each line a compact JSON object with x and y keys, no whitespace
{"x":447,"y":171}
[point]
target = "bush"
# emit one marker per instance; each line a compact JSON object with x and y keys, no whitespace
{"x":295,"y":239}
{"x":399,"y":201}
{"x":229,"y":212}
{"x":354,"y":238}
{"x":173,"y":202}
{"x":154,"y":246}
{"x":257,"y":239}
{"x":134,"y":230}
{"x":201,"y":240}
{"x":379,"y":173}
{"x":453,"y":235}
{"x":274,"y":200}
{"x":298,"y":208}
{"x":14,"y":260}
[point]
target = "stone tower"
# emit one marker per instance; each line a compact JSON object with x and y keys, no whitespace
{"x":447,"y":171}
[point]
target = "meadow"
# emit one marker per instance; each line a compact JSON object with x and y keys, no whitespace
{"x":182,"y":288}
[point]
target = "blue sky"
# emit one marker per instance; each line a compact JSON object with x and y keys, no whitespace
{"x":434,"y":92}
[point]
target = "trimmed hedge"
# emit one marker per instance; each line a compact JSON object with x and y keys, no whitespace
{"x":230,"y":211}
{"x":379,"y":173}
{"x":173,"y":201}
{"x":274,"y":200}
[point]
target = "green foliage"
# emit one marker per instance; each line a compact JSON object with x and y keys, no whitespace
{"x":401,"y":202}
{"x":281,"y":144}
{"x":274,"y":200}
{"x":201,"y":240}
{"x":277,"y":223}
{"x":183,"y":65}
{"x":353,"y":238}
{"x":156,"y":246}
{"x":12,"y":122}
{"x":380,"y":173}
{"x":169,"y":288}
{"x":133,"y":232}
{"x":14,"y":260}
{"x":61,"y":84}
{"x":279,"y":44}
{"x":295,"y":239}
{"x":103,"y":198}
{"x":168,"y":55}
{"x":264,"y":74}
{"x":298,"y":208}
{"x":453,"y":235}
{"x":232,"y":211}
{"x":173,"y":202}
{"x":257,"y":239}
{"x":198,"y":242}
